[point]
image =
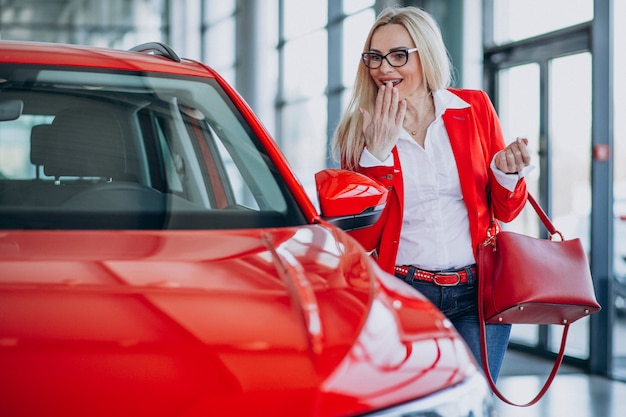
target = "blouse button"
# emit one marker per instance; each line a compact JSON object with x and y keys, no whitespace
{"x":389,"y":176}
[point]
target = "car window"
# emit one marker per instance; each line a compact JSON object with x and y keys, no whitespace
{"x":117,"y":150}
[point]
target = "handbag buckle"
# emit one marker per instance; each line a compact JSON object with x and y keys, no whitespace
{"x":556,"y":233}
{"x":447,"y":283}
{"x":492,"y":232}
{"x":490,"y":241}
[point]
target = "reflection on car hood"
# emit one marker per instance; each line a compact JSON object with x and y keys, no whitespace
{"x":174,"y":323}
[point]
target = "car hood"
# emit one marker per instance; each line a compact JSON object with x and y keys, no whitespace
{"x":181,"y":323}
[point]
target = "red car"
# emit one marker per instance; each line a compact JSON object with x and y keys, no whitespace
{"x":158,"y":257}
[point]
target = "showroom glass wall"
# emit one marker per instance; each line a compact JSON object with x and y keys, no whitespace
{"x":113,"y":23}
{"x":319,"y":46}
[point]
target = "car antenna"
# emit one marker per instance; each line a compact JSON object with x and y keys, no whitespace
{"x":157,"y":48}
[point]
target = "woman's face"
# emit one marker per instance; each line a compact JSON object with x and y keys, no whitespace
{"x":408,"y":78}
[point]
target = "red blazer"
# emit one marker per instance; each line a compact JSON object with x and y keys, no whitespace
{"x":475,"y":137}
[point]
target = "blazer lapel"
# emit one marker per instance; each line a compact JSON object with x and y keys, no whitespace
{"x":469,"y":157}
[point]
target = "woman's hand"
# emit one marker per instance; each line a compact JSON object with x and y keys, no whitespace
{"x":382,"y":129}
{"x":514,"y":157}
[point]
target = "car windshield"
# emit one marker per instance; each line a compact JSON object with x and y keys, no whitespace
{"x":120,"y":150}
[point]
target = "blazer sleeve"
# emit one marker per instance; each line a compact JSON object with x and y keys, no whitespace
{"x":505,"y":204}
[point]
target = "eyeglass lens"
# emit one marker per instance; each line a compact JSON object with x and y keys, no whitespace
{"x":394,"y":58}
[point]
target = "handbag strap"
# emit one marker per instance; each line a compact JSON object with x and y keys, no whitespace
{"x":552,"y":230}
{"x":485,"y":359}
{"x":543,"y":216}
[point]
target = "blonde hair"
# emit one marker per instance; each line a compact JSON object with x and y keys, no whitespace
{"x":348,"y":141}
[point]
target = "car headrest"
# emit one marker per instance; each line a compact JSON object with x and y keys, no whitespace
{"x":85,"y":142}
{"x":39,"y":137}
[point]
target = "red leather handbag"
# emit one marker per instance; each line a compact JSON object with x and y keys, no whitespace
{"x":526,"y":280}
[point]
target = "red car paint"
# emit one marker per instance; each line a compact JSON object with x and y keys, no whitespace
{"x":161,"y":323}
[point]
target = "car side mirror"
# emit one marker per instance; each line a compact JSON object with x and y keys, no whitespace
{"x":349,"y":200}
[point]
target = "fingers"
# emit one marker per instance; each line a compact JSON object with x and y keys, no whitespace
{"x":522,"y":145}
{"x":390,"y":115}
{"x":381,"y":128}
{"x":391,"y":96}
{"x":386,"y":102}
{"x":380,"y":97}
{"x":514,"y":157}
{"x":393,"y":109}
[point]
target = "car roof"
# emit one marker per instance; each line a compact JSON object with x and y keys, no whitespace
{"x":152,"y":57}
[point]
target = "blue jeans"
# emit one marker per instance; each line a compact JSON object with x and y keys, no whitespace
{"x":460,"y":305}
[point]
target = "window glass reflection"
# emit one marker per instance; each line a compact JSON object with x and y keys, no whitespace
{"x":570,"y":140}
{"x":304,"y":124}
{"x":570,"y":162}
{"x":218,"y":10}
{"x":305,"y":66}
{"x":520,"y":19}
{"x":353,"y":44}
{"x":351,"y":6}
{"x":302,"y":17}
{"x":519,"y":111}
{"x":220,"y":46}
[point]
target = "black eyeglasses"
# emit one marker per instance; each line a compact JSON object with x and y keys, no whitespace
{"x":395,"y":58}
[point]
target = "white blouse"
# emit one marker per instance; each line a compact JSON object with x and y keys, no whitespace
{"x":435,"y":231}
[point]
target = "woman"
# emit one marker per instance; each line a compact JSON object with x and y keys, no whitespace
{"x":441,"y":153}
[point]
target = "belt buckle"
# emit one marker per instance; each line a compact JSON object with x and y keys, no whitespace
{"x":447,"y":274}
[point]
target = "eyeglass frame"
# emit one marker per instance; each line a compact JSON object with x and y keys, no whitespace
{"x":407,"y":51}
